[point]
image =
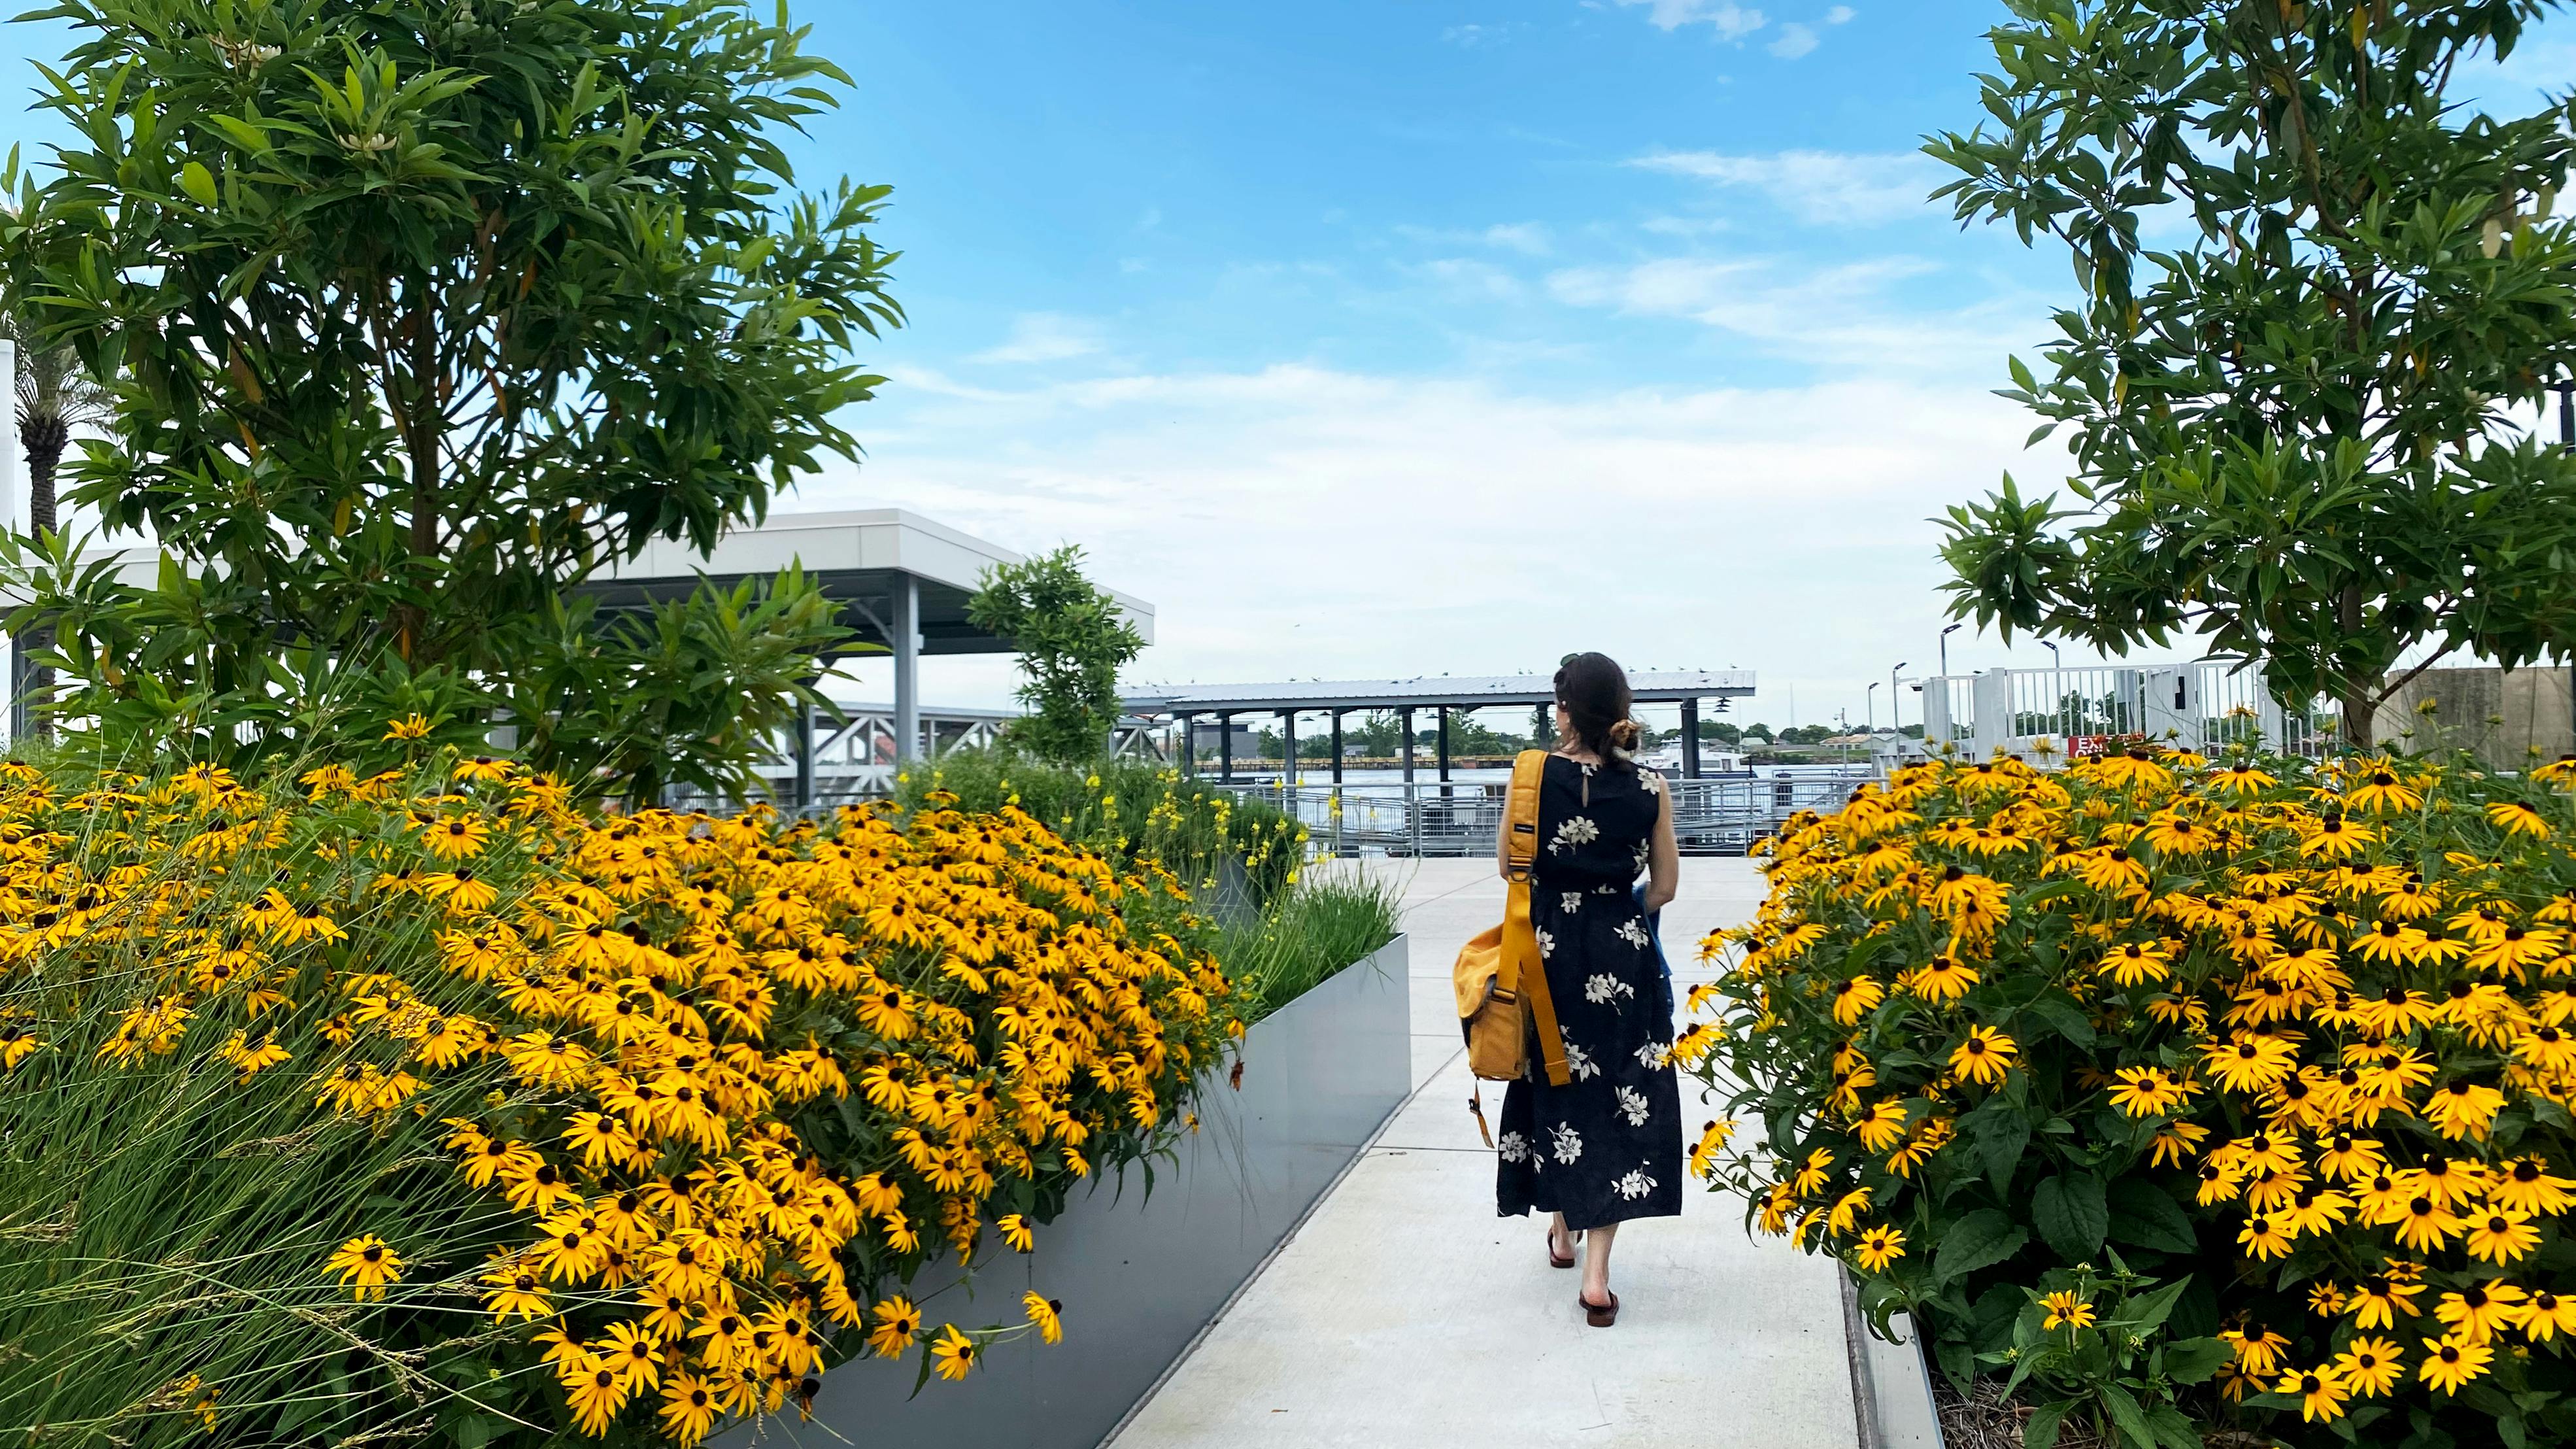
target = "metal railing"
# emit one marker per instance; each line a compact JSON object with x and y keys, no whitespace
{"x":1426,"y":818}
{"x":2050,"y":715}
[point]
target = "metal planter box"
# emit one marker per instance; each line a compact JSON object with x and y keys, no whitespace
{"x":1141,"y":1273}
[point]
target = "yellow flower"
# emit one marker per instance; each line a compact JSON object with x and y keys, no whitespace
{"x":2370,"y":1366}
{"x":2518,"y":819}
{"x":2320,"y":1390}
{"x":1047,"y":1314}
{"x":688,"y":1409}
{"x":409,"y":727}
{"x":952,"y":1353}
{"x":896,"y":1323}
{"x":2068,"y":1309}
{"x":2452,"y":1361}
{"x":1880,"y":1246}
{"x":2477,"y":1311}
{"x":1984,"y":1056}
{"x":2499,"y":1235}
{"x":366,"y":1264}
{"x":1015,"y":1231}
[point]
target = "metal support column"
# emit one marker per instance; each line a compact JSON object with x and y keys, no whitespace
{"x":1225,"y":748}
{"x":1337,"y":747}
{"x":1444,"y":745}
{"x":1189,"y":736}
{"x":1690,"y":739}
{"x":1404,"y":727}
{"x":1288,"y":750}
{"x":804,"y":757}
{"x":907,"y":669}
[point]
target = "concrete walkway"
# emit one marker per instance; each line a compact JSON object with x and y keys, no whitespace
{"x":1405,"y":1313}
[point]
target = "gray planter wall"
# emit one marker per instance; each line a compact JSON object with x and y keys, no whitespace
{"x":1141,"y":1273}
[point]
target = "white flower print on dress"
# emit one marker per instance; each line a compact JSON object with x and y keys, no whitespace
{"x":1652,"y":1055}
{"x":1633,"y":931}
{"x":1546,"y":943}
{"x":1579,"y":1063}
{"x":1572,"y":831}
{"x":1603,"y":987}
{"x":1514,"y":1147}
{"x":1653,"y":782}
{"x":1635,"y":1185}
{"x":1641,"y":855}
{"x":1568,"y":1145}
{"x":1633,"y":1106}
{"x":1570,"y":902}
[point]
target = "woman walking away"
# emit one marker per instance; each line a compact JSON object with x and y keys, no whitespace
{"x":1606,"y":1146}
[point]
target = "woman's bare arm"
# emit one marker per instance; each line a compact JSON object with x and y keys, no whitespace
{"x":1663,"y":855}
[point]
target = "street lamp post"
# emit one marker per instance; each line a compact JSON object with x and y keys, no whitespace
{"x":2057,"y":705}
{"x":1945,"y":647}
{"x":1869,"y":705}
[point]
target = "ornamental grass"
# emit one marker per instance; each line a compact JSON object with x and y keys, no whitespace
{"x":2180,"y":1095}
{"x":428,"y":1107}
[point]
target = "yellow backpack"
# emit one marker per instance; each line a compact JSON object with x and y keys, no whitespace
{"x":1501,"y":982}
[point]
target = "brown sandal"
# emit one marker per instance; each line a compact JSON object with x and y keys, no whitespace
{"x":1599,"y":1317}
{"x":1567,"y":1261}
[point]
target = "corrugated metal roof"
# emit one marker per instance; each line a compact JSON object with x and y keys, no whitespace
{"x":1473,"y":690}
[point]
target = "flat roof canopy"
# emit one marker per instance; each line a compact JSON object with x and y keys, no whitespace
{"x":1463,"y":691}
{"x":860,"y":557}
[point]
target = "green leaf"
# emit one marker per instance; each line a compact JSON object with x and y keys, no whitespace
{"x":2172,"y":1428}
{"x":2002,"y":1133}
{"x":2070,"y":1214}
{"x":198,"y":182}
{"x":2130,"y":1419}
{"x":2193,"y":1360}
{"x":1979,"y":1240}
{"x":2147,"y":1312}
{"x":2063,"y":1017}
{"x":2039,"y":1431}
{"x":2147,"y":1216}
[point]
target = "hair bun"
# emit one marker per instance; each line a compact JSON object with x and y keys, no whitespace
{"x":1624,"y":734}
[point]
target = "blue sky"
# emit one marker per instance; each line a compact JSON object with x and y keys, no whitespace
{"x":1370,"y":337}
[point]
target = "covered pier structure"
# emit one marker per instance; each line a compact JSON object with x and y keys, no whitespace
{"x":1441,"y":694}
{"x":901,"y":582}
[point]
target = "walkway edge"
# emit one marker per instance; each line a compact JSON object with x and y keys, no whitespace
{"x":1192,"y":1347}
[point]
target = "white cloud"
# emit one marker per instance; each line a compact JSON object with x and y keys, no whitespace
{"x":1730,"y":20}
{"x":1526,"y":237}
{"x":1839,"y":15}
{"x":1472,"y":280}
{"x":1299,"y":521}
{"x":1819,"y":187}
{"x":1471,"y":36}
{"x":1045,"y":337}
{"x":1795,"y":40}
{"x":1842,"y":317}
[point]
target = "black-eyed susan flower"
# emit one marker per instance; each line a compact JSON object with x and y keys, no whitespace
{"x":1047,"y":1314}
{"x":2450,"y":1362}
{"x":2477,"y":1311}
{"x":688,"y":1409}
{"x":2320,"y":1391}
{"x":896,"y":1322}
{"x":366,"y":1264}
{"x":1879,"y":1246}
{"x":2067,"y":1309}
{"x":952,"y":1353}
{"x":1984,"y":1056}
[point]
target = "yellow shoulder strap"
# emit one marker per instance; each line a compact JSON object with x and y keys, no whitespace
{"x":1522,"y":969}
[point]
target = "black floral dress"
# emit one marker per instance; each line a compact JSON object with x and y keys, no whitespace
{"x":1606,"y":1146}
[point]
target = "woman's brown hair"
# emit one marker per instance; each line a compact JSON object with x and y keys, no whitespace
{"x":1594,"y":692}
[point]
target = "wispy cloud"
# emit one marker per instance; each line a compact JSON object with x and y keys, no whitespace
{"x":1730,"y":20}
{"x":1044,"y":337}
{"x":1526,"y":237}
{"x":1839,"y":15}
{"x":1820,"y":187}
{"x":1471,"y":36}
{"x":1849,"y":317}
{"x":1793,"y":41}
{"x":1238,"y":466}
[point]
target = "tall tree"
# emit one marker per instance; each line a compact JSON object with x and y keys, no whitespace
{"x":2322,"y":296}
{"x":422,"y":311}
{"x":1072,"y":639}
{"x":55,"y":394}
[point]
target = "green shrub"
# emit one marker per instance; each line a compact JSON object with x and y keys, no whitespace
{"x":2181,"y":1095}
{"x":1130,"y":810}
